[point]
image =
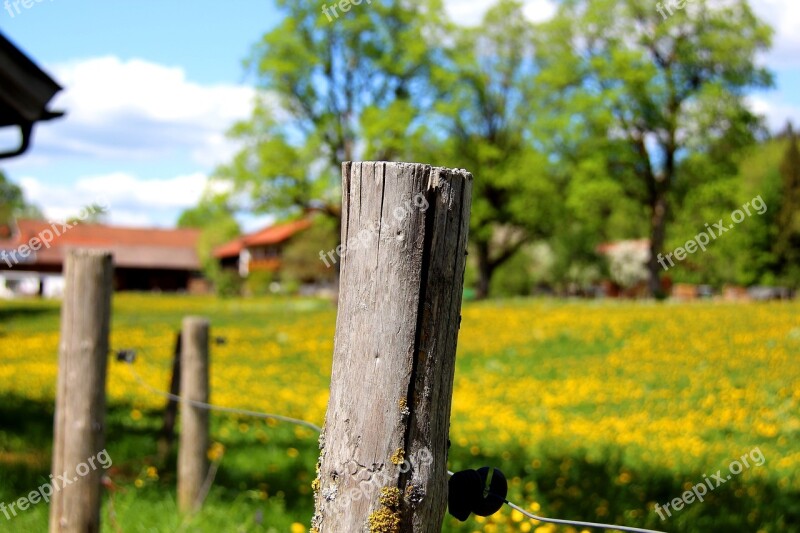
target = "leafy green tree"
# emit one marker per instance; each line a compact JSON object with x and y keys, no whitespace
{"x":725,"y":260}
{"x":599,"y":194}
{"x":211,"y":210}
{"x":787,"y":241}
{"x":481,"y":121}
{"x":13,"y":205}
{"x":216,"y":220}
{"x":665,"y":88}
{"x":301,"y":256}
{"x":90,"y":214}
{"x":744,"y":255}
{"x":330,"y":91}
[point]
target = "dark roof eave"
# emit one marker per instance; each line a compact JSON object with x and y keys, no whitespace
{"x":25,"y":92}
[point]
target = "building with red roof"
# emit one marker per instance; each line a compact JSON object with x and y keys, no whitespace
{"x":145,"y":259}
{"x":260,"y":251}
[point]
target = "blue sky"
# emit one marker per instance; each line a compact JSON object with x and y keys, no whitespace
{"x":152,"y":88}
{"x":208,"y":39}
{"x":182,"y":59}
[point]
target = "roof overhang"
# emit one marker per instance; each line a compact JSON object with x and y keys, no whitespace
{"x":25,"y":91}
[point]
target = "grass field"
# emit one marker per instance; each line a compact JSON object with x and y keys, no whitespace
{"x":594,"y":411}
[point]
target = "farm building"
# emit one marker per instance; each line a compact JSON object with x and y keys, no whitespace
{"x":145,"y":259}
{"x":261,"y":251}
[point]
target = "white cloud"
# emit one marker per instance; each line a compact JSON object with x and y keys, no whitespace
{"x":540,"y":10}
{"x":138,"y":109}
{"x":131,"y":200}
{"x":471,"y":12}
{"x":784,"y":17}
{"x":466,"y":12}
{"x":125,"y":190}
{"x":776,"y":110}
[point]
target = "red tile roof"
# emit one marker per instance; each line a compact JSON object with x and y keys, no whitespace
{"x":266,"y":237}
{"x":230,"y":249}
{"x":132,"y":247}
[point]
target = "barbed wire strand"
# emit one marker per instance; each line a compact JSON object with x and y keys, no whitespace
{"x":569,"y":522}
{"x":296,"y":421}
{"x":211,"y":407}
{"x":578,"y":523}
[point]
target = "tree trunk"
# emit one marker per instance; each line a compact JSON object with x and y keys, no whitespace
{"x":658,"y":223}
{"x":485,"y":271}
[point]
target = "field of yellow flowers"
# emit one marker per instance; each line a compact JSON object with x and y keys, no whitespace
{"x":594,"y":410}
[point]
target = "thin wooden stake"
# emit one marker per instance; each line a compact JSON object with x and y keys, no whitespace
{"x":167,"y":436}
{"x":194,"y":440}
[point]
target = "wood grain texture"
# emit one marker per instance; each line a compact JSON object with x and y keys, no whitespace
{"x":402,"y":275}
{"x":194,"y":439}
{"x":79,"y":426}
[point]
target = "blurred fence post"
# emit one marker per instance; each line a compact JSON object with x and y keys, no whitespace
{"x":167,"y":435}
{"x":194,"y":439}
{"x":79,"y":425}
{"x":383,"y":458}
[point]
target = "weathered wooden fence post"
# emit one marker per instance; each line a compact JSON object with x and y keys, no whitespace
{"x":79,"y":425}
{"x":194,"y":440}
{"x":383,"y":461}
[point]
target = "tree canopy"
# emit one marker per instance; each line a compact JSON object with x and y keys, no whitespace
{"x":606,"y":122}
{"x":330,"y":92}
{"x":663,"y":90}
{"x":13,"y":204}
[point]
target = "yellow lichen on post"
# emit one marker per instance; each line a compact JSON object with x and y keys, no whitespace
{"x":390,"y":497}
{"x":384,"y":520}
{"x":398,"y":456}
{"x":387,"y":518}
{"x":403,"y":404}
